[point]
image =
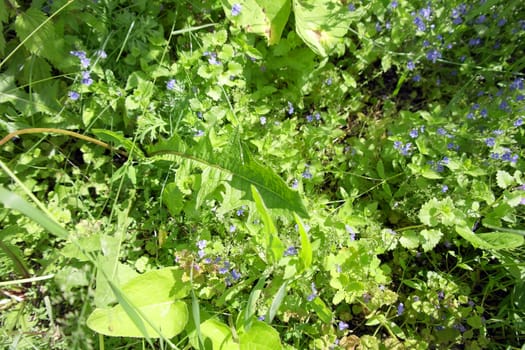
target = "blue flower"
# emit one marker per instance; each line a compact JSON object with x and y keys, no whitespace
{"x":236,"y":9}
{"x":342,"y":325}
{"x":416,"y":78}
{"x":313,"y":294}
{"x":79,"y":54}
{"x":235,"y":275}
{"x":426,"y":12}
{"x":73,"y":95}
{"x":420,"y":24}
{"x":444,"y":188}
{"x":102,"y":54}
{"x":400,"y":309}
{"x":202,"y":244}
{"x":86,"y":79}
{"x":262,"y":120}
{"x":85,"y":62}
{"x":411,"y":65}
{"x":290,"y":251}
{"x":490,"y":141}
{"x":433,"y":55}
{"x":295,"y":184}
{"x":328,"y":81}
{"x":351,"y":7}
{"x":414,"y":133}
{"x":290,"y":108}
{"x":233,"y":228}
{"x":393,"y":4}
{"x":170,"y":85}
{"x":518,"y":122}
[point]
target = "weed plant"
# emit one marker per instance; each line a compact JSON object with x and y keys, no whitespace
{"x":262,"y":174}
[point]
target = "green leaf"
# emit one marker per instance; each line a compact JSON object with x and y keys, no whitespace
{"x":252,"y":302}
{"x":262,"y":17}
{"x":320,"y":308}
{"x":430,"y":239}
{"x":14,"y":201}
{"x":260,"y":337}
{"x":236,"y":162}
{"x":216,"y":332}
{"x":169,"y":317}
{"x":150,"y":297}
{"x":504,"y":179}
{"x":471,"y":237}
{"x":39,"y":39}
{"x":306,"y":247}
{"x":502,"y":240}
{"x":321,"y":24}
{"x":409,"y":239}
{"x":276,"y":302}
{"x":173,"y":198}
{"x":118,"y":140}
{"x":274,"y":246}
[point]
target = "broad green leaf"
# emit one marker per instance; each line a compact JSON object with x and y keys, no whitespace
{"x":260,"y":337}
{"x":306,"y":247}
{"x":173,"y":198}
{"x":430,"y":239}
{"x":321,"y":24}
{"x":274,"y":246}
{"x":473,"y":238}
{"x":262,"y":17}
{"x":169,"y":317}
{"x":236,"y":162}
{"x":409,"y":239}
{"x":504,"y":179}
{"x":216,"y":332}
{"x":153,"y":294}
{"x":502,"y":240}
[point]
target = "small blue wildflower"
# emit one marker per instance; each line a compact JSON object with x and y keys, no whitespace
{"x":367,"y":297}
{"x":484,"y":112}
{"x":212,"y":58}
{"x":420,"y":24}
{"x":236,"y":9}
{"x":411,"y":65}
{"x":262,"y":120}
{"x":481,"y":19}
{"x":445,"y":160}
{"x":317,"y":116}
{"x":328,"y":81}
{"x":490,"y":141}
{"x":400,"y":309}
{"x":85,"y":62}
{"x":378,"y":27}
{"x":290,"y":251}
{"x":232,"y":228}
{"x":342,"y":325}
{"x":518,"y":122}
{"x":199,"y":133}
{"x":416,"y":78}
{"x":444,"y":188}
{"x":240,"y":212}
{"x":102,"y":54}
{"x":290,"y":108}
{"x":398,"y":144}
{"x":414,"y":133}
{"x":426,"y":43}
{"x":170,"y":85}
{"x":498,"y":132}
{"x":503,"y":105}
{"x":79,"y":54}
{"x":201,"y":253}
{"x":313,"y":294}
{"x":433,"y":55}
{"x":502,"y":22}
{"x":474,"y":41}
{"x":73,"y":95}
{"x":517,"y":84}
{"x":235,"y":275}
{"x":295,"y":184}
{"x":306,"y":173}
{"x":426,"y":12}
{"x":406,"y":149}
{"x":86,"y":78}
{"x":202,"y":244}
{"x":351,"y":7}
{"x":494,"y":155}
{"x":441,"y":131}
{"x":441,"y":295}
{"x":309,"y":118}
{"x":222,"y":270}
{"x":261,"y":318}
{"x":393,"y":4}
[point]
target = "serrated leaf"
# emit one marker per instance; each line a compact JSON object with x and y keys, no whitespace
{"x":321,"y":24}
{"x":504,"y":179}
{"x":409,"y":239}
{"x":431,"y":238}
{"x":38,"y":39}
{"x":262,"y":17}
{"x":237,"y":162}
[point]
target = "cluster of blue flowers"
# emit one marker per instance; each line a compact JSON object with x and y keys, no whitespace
{"x":85,"y":74}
